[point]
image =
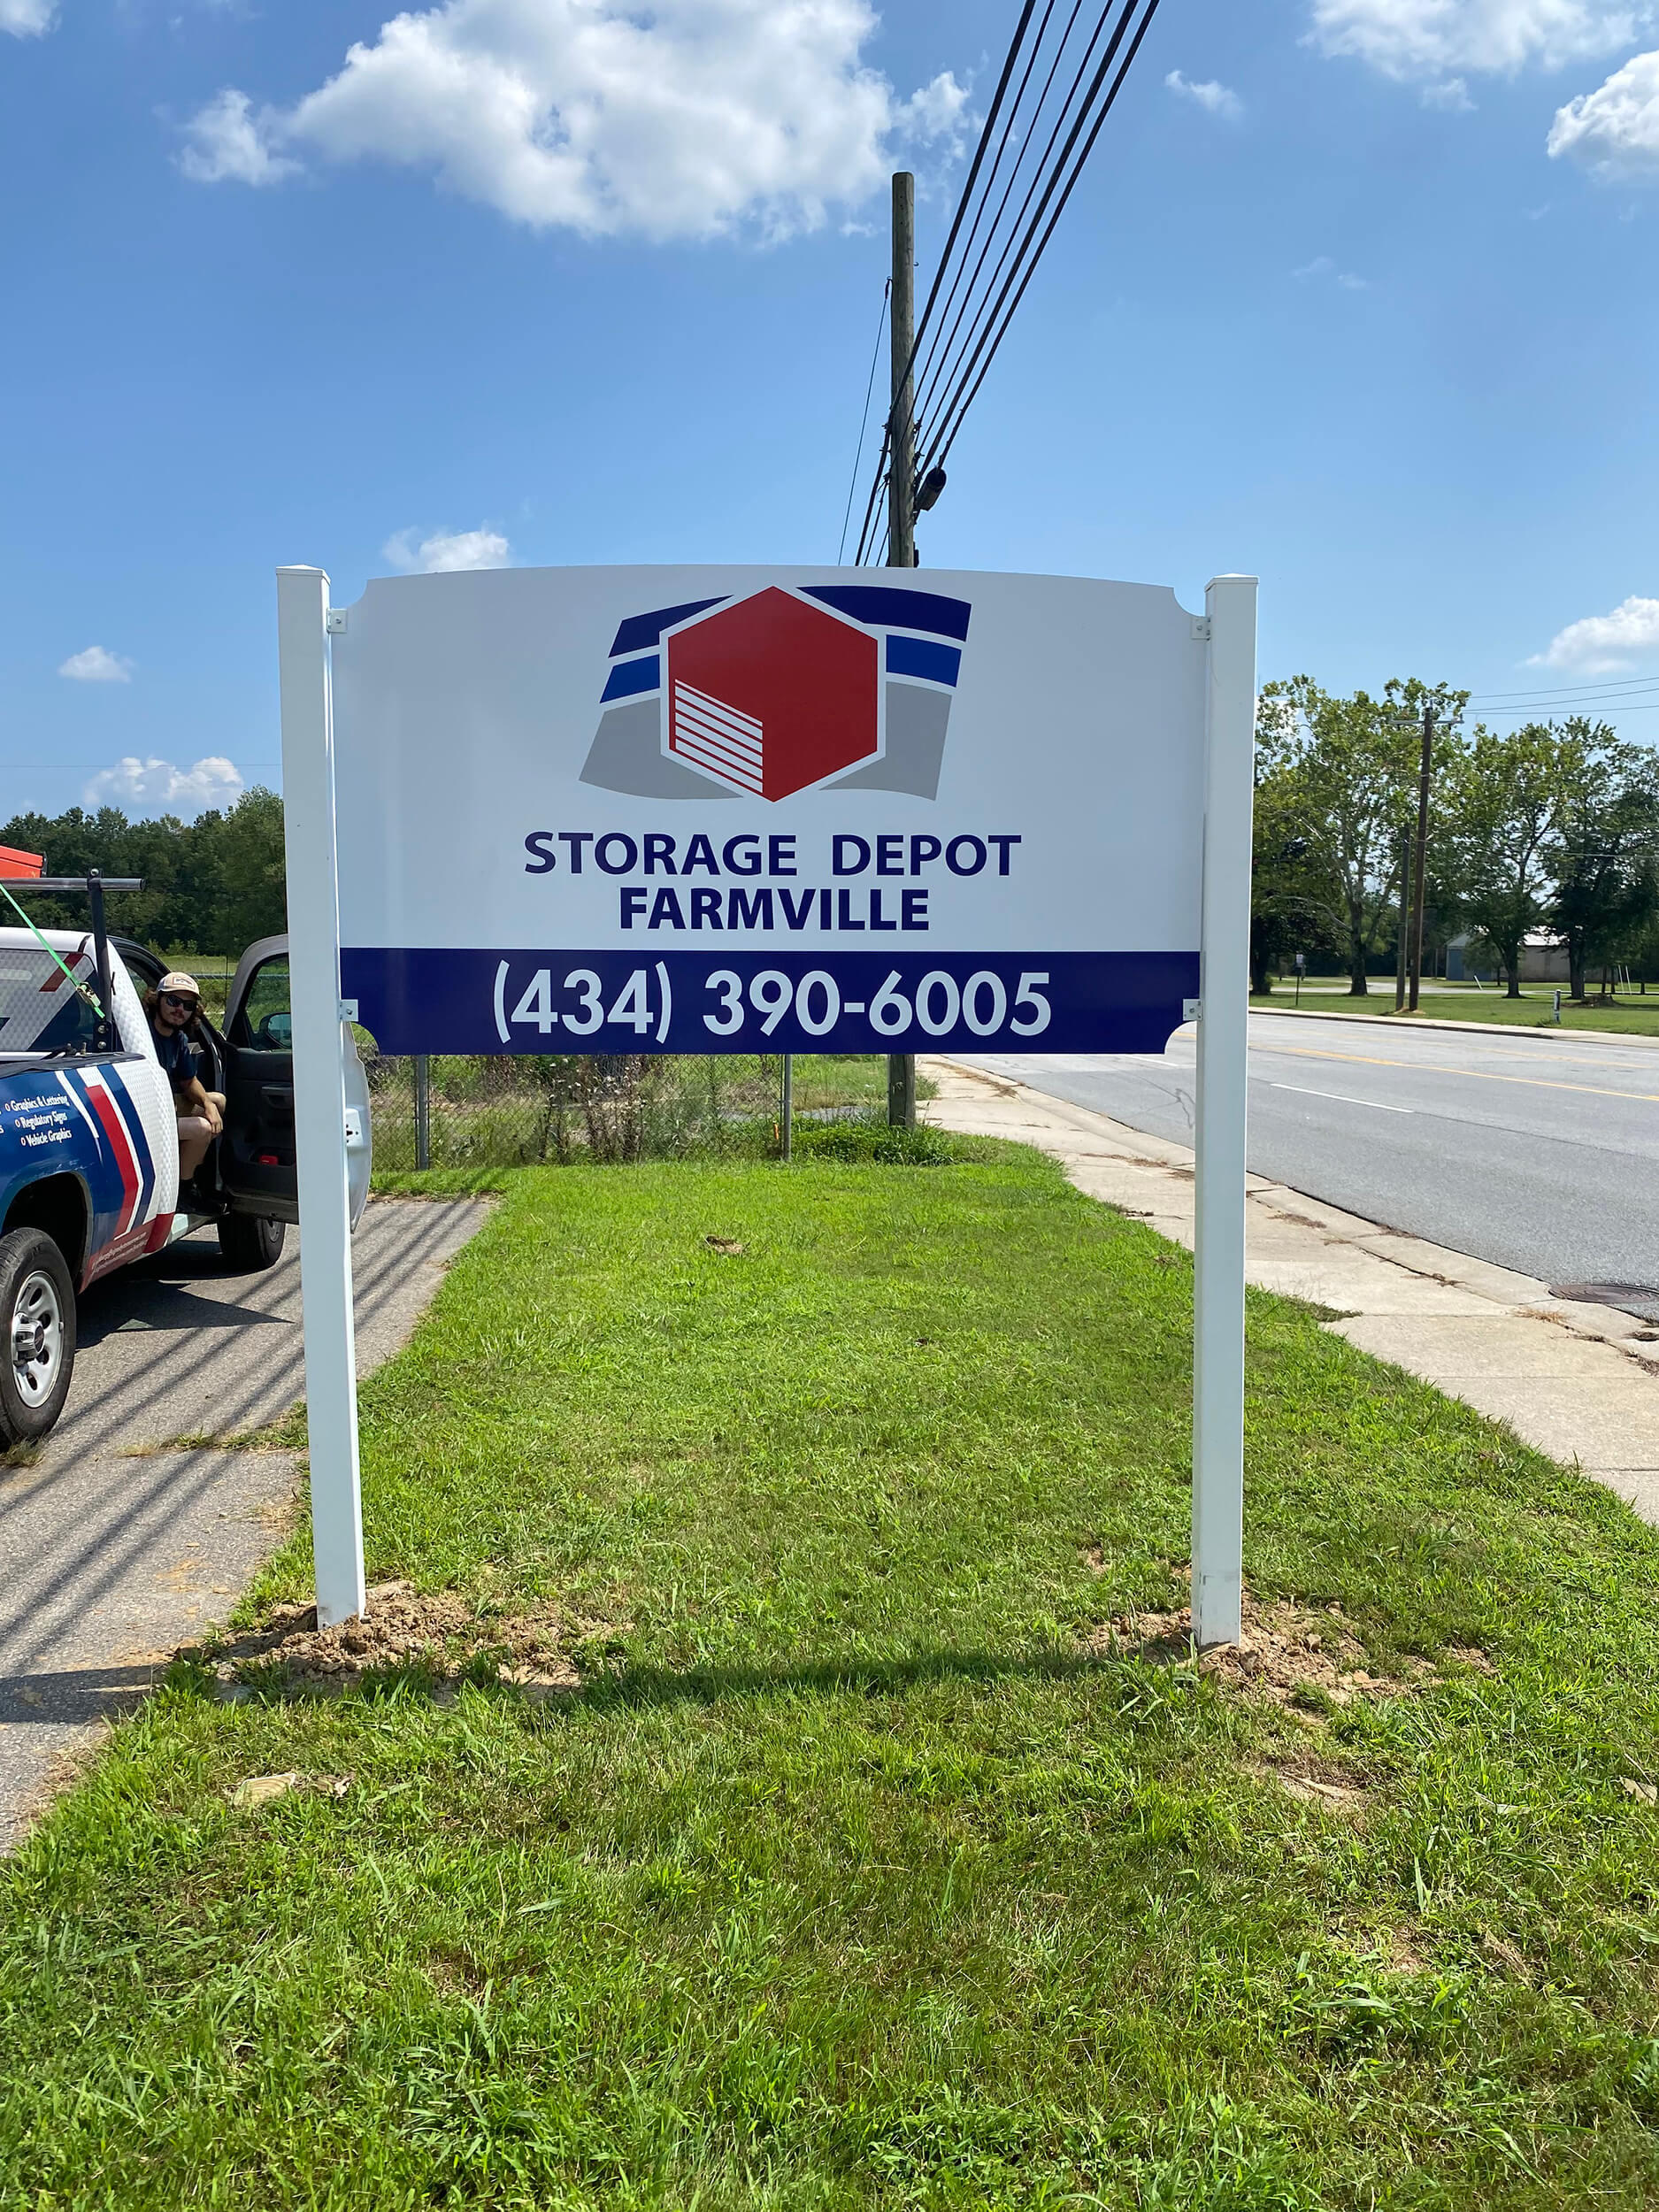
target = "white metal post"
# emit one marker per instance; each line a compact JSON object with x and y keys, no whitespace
{"x":320,"y":1097}
{"x":1222,"y":1041}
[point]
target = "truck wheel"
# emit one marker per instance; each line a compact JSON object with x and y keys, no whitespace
{"x":37,"y":1336}
{"x":250,"y":1243}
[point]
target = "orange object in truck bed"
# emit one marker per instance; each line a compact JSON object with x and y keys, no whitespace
{"x":15,"y":864}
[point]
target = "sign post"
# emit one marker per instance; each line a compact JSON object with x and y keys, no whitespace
{"x":319,"y":1094}
{"x":724,"y":810}
{"x":1223,"y":1042}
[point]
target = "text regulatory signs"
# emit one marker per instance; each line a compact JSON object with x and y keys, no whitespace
{"x":703,"y":810}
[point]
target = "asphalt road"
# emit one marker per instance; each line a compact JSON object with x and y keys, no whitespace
{"x":1539,"y":1151}
{"x":118,"y":1543}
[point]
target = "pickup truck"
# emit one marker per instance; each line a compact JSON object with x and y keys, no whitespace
{"x":89,"y":1152}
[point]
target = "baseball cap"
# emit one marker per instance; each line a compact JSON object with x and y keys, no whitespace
{"x":175,"y":979}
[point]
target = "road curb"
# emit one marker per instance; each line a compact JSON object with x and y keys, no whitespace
{"x":1482,"y":1029}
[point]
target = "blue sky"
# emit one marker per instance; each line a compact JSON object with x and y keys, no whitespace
{"x":1328,"y":307}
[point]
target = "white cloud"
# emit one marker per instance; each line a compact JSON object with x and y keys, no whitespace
{"x":683,"y":120}
{"x":1411,"y":39}
{"x":96,"y":665}
{"x":447,"y":551}
{"x":1321,"y":266}
{"x":27,"y":18}
{"x":156,"y":786}
{"x":1452,"y":98}
{"x":228,"y":142}
{"x":1601,"y":643}
{"x":935,"y":112}
{"x":1215,"y":99}
{"x":1613,"y":130}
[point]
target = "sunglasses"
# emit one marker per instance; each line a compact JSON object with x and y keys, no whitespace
{"x":184,"y":1005}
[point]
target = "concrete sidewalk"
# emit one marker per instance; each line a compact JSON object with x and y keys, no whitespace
{"x":120,"y":1543}
{"x":1579,"y":1382}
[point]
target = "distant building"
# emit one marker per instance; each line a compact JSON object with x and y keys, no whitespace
{"x":1543,"y":960}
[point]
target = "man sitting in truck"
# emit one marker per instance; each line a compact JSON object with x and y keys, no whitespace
{"x":173,"y":1007}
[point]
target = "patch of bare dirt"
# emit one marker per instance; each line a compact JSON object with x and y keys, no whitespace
{"x":439,"y":1629}
{"x":1312,"y":1783}
{"x":1287,"y":1649}
{"x":1404,"y":1953}
{"x":1499,"y":1948}
{"x":255,"y":1789}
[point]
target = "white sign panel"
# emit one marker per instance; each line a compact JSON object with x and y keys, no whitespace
{"x":731,"y":808}
{"x":713,"y":809}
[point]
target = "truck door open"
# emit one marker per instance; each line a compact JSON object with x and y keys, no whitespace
{"x":257,"y":1158}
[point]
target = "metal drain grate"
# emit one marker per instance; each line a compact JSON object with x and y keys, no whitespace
{"x":1640,"y":1299}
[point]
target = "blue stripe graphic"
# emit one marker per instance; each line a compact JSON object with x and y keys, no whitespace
{"x":132,"y":1122}
{"x":640,"y":630}
{"x":628,"y":678}
{"x":97,"y":1162}
{"x":921,"y":656}
{"x":885,"y":609}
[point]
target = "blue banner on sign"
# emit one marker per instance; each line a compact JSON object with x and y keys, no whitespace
{"x":426,"y":1000}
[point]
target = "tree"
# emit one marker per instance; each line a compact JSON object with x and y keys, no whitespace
{"x":1503,"y":798}
{"x":211,"y":886}
{"x":1340,"y":776}
{"x":1280,"y":909}
{"x":1643,"y":953}
{"x":247,"y":846}
{"x":1603,"y":850}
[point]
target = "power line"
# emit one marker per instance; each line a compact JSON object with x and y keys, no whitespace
{"x":1008,"y":139}
{"x":986,"y":134}
{"x":1019,"y":132}
{"x":878,"y":485}
{"x":1052,"y":99}
{"x":1036,"y":180}
{"x":1019,"y":254}
{"x":1014,"y":132}
{"x":1613,"y":706}
{"x":863,"y":420}
{"x":974,"y":166}
{"x":1585,"y":690}
{"x":944,"y":436}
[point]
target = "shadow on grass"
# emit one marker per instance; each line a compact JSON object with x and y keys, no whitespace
{"x":637,"y":1689}
{"x":642,"y":1687}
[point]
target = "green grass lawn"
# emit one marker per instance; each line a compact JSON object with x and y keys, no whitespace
{"x":1633,"y":1017}
{"x":856,"y":1874}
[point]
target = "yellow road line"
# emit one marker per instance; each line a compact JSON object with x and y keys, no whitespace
{"x":1481,"y":1075}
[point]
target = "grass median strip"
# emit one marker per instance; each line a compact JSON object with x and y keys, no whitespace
{"x":1633,"y":1017}
{"x":888,"y":1850}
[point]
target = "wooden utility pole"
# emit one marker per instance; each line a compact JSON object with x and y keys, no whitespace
{"x":902,"y":507}
{"x":1422,"y":855}
{"x":1403,"y":949}
{"x":902,"y":445}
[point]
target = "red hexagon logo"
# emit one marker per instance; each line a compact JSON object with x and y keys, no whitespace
{"x":772,"y":694}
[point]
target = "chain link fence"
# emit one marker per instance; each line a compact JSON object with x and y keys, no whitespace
{"x":517,"y":1109}
{"x":529,"y":1110}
